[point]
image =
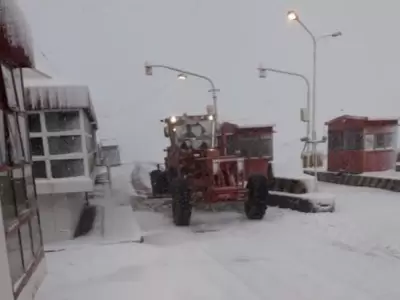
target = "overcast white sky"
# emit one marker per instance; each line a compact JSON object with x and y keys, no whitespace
{"x":105,"y":44}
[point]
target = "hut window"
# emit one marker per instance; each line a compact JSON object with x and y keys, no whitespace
{"x":379,"y":142}
{"x":383,"y":141}
{"x":353,"y":140}
{"x":389,"y":140}
{"x":335,"y":141}
{"x":231,"y":144}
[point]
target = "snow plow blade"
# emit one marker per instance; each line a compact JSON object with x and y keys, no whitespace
{"x":289,"y":193}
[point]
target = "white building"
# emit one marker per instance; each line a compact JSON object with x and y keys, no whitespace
{"x":109,"y":152}
{"x":62,"y":131}
{"x":22,"y":264}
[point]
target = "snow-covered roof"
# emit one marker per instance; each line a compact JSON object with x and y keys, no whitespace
{"x":256,"y":126}
{"x":109,"y":143}
{"x":51,"y":94}
{"x":15,"y":36}
{"x":363,"y":118}
{"x":33,"y":74}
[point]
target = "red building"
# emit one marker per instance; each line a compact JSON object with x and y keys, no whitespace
{"x":361,"y":144}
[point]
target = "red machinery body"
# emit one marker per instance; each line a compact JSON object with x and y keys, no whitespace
{"x":217,"y":174}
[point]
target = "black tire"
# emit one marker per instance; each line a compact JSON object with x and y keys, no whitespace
{"x":181,"y":206}
{"x":154,"y":179}
{"x":258,"y":195}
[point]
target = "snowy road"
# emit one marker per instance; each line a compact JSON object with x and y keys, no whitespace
{"x":353,"y":253}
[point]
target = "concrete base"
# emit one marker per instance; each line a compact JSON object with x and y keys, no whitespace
{"x":59,"y":215}
{"x":390,"y":184}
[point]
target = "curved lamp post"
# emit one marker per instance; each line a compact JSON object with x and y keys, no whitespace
{"x":263,"y":74}
{"x":182,"y":74}
{"x":293,"y":16}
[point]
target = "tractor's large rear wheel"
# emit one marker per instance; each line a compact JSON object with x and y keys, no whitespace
{"x":256,"y":204}
{"x":181,"y":206}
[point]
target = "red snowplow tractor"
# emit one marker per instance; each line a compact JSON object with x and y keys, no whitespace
{"x":195,"y":172}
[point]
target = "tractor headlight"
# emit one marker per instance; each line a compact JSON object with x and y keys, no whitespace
{"x":172,"y":119}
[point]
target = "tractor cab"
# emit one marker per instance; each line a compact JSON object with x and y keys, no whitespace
{"x":189,"y":132}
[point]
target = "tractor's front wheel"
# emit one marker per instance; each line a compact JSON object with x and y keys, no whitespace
{"x":181,"y":206}
{"x":256,"y":204}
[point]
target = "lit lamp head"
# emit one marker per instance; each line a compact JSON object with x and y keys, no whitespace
{"x":182,"y":76}
{"x":292,"y":16}
{"x":172,"y":120}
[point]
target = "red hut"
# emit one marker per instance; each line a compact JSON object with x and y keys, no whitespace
{"x":20,"y":233}
{"x":361,"y":144}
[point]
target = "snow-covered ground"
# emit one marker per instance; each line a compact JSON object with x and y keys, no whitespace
{"x":353,"y":253}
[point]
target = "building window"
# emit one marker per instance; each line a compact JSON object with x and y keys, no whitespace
{"x":39,"y":169}
{"x":36,"y":234}
{"x":34,"y":123}
{"x":14,"y":139}
{"x":89,"y":144}
{"x":37,"y":146}
{"x":7,"y":198}
{"x":30,"y":185}
{"x":67,"y":168}
{"x":26,"y":241}
{"x":19,"y":88}
{"x":15,"y":259}
{"x":9,"y":87}
{"x":65,"y":144}
{"x":91,"y":162}
{"x":353,"y":140}
{"x":88,"y":126}
{"x":23,"y":128}
{"x":62,"y":121}
{"x":15,"y":154}
{"x":3,"y":148}
{"x":335,"y":140}
{"x":19,"y":189}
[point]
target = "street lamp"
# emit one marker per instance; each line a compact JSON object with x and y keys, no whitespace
{"x":293,"y":16}
{"x":182,"y":75}
{"x":263,"y":74}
